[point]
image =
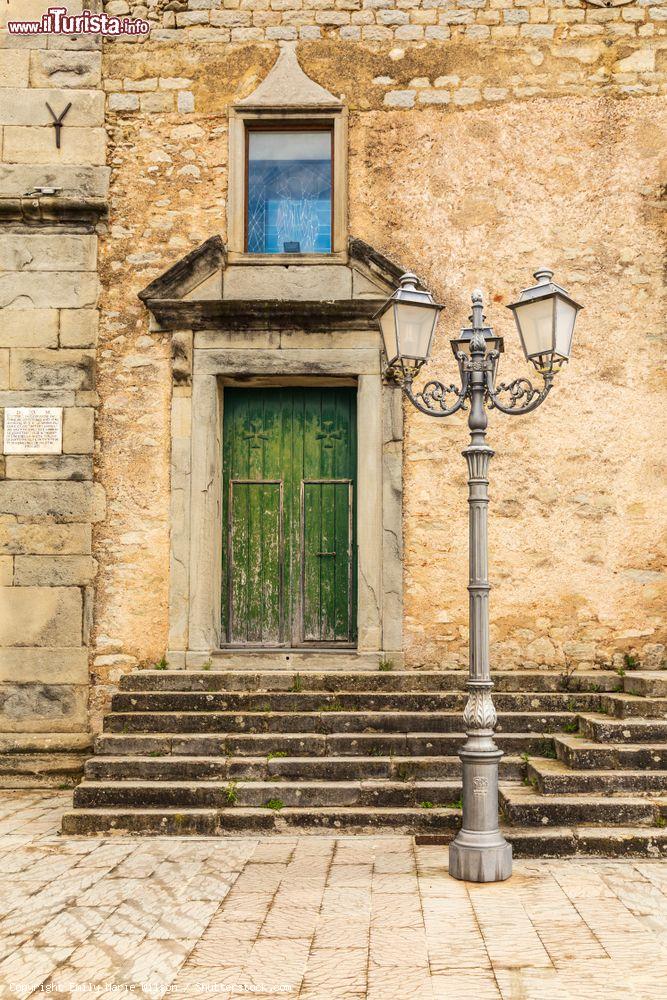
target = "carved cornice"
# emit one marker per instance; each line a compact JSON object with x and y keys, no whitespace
{"x":40,"y":209}
{"x":310,"y":316}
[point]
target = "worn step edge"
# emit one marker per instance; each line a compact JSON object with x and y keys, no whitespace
{"x":585,"y":754}
{"x":212,"y":822}
{"x":523,"y":806}
{"x":576,"y":841}
{"x":554,"y":778}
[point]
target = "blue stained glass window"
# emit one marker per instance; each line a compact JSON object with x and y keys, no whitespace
{"x":289,"y":191}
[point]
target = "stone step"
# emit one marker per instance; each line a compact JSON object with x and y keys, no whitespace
{"x":370,"y":793}
{"x":34,"y":770}
{"x":582,"y":754}
{"x":646,"y":683}
{"x":632,"y":706}
{"x":411,"y":681}
{"x":293,"y":659}
{"x":214,"y":822}
{"x":580,"y":842}
{"x":312,"y":744}
{"x":552,"y":777}
{"x":324,"y":722}
{"x":523,"y":806}
{"x":605,"y":729}
{"x":174,"y":768}
{"x":343,"y":701}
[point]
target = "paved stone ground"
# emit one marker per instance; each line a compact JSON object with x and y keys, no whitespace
{"x":318,"y":918}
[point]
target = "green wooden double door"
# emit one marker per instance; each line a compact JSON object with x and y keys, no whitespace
{"x":289,"y":468}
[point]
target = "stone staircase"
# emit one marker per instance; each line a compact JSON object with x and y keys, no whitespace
{"x":40,"y":761}
{"x":222,"y":750}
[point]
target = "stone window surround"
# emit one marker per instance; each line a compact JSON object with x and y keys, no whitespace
{"x":196,"y":490}
{"x":239,"y":119}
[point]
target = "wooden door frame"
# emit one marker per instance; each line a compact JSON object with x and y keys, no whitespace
{"x":196,"y":486}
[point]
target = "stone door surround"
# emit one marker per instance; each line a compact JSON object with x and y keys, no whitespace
{"x":223,"y":337}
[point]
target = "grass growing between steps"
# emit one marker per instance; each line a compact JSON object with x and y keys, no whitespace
{"x":231,"y":793}
{"x":275,"y":804}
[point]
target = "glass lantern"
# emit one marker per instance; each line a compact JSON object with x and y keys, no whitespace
{"x":407,"y":323}
{"x":545,"y":316}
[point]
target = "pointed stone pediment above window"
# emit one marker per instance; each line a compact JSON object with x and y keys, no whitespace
{"x":203,"y":291}
{"x":287,"y":86}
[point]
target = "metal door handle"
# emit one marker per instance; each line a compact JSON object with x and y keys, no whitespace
{"x":325,"y":553}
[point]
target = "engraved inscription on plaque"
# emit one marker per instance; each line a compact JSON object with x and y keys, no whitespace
{"x":33,"y":430}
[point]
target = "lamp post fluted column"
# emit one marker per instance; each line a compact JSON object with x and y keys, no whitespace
{"x":545,"y":316}
{"x":479,"y":853}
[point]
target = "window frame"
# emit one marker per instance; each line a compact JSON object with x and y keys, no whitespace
{"x":294,"y":126}
{"x":241,"y":121}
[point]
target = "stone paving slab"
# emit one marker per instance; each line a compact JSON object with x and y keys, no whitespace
{"x":325,"y":918}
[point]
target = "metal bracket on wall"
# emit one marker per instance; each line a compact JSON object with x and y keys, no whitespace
{"x":58,"y":121}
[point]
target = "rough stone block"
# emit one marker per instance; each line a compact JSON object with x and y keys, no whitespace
{"x":17,"y":178}
{"x":65,"y":69}
{"x":4,"y":368}
{"x":54,"y":571}
{"x":62,"y":369}
{"x":78,"y":430}
{"x":29,"y":328}
{"x":36,"y":252}
{"x":40,"y":616}
{"x":6,"y":571}
{"x":56,"y":289}
{"x":141,"y":86}
{"x":14,"y":68}
{"x":59,"y":500}
{"x":44,"y":665}
{"x":28,"y":107}
{"x":400,"y":98}
{"x":74,"y":467}
{"x":22,"y":144}
{"x":157,"y":102}
{"x":53,"y":397}
{"x":123,"y":102}
{"x":45,"y":539}
{"x":43,"y":707}
{"x":186,"y":102}
{"x":79,"y":327}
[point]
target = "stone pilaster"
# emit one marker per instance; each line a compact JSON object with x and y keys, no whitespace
{"x":52,"y":206}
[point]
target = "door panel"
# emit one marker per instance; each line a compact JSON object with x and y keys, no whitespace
{"x":327,"y":560}
{"x":289,"y":465}
{"x":255,"y":561}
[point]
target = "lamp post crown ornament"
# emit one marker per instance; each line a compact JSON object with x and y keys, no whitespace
{"x":545,"y":316}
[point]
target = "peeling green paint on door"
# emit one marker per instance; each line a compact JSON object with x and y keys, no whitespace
{"x":289,"y":468}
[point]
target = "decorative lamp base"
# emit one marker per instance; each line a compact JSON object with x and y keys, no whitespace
{"x":481,"y":863}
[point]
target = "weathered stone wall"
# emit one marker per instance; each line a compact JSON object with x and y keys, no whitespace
{"x":393,"y":20}
{"x":486,"y":137}
{"x":48,"y":335}
{"x":523,"y":133}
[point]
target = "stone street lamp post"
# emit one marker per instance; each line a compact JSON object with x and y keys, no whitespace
{"x":545,"y":316}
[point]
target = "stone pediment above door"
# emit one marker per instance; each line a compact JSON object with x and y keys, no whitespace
{"x":203,"y":291}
